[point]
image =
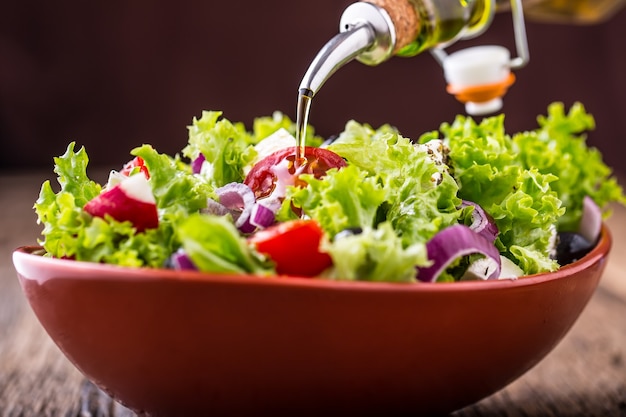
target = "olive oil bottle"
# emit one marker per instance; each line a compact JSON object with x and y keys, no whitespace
{"x":373,"y":31}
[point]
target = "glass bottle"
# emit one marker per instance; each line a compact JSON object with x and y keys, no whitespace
{"x":375,"y":30}
{"x":442,"y":22}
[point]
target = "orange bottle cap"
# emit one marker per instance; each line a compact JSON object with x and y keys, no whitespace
{"x":479,"y":76}
{"x":482,"y":99}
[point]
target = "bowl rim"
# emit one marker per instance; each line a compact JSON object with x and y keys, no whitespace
{"x":89,"y":270}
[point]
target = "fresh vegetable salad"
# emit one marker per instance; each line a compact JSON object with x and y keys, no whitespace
{"x":466,"y":202}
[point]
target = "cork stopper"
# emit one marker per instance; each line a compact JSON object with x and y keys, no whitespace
{"x":404,"y":18}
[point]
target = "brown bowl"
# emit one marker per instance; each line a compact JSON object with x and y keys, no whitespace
{"x":187,"y":343}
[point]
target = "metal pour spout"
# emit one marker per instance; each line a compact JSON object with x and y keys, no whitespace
{"x":366,"y":32}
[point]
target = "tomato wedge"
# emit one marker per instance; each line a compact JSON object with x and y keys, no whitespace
{"x":277,"y":170}
{"x":294,"y":246}
{"x":134,"y":166}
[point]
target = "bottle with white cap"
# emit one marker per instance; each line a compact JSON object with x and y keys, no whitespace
{"x":373,"y":31}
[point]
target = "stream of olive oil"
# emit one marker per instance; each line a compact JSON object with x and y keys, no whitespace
{"x":305,"y":97}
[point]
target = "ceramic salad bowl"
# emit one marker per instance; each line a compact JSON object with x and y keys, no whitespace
{"x":168,"y":342}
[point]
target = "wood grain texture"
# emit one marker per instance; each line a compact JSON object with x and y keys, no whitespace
{"x":584,"y":376}
{"x":405,"y":19}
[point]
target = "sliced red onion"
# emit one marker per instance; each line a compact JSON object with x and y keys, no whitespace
{"x":239,"y":199}
{"x":591,"y":221}
{"x":236,"y":195}
{"x":196,"y":164}
{"x":482,"y":222}
{"x":452,"y":243}
{"x":181,"y":261}
{"x":215,"y":208}
{"x":271,"y":203}
{"x":246,"y":227}
{"x":262,"y":216}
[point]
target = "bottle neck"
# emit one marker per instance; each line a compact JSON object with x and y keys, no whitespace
{"x":366,"y":32}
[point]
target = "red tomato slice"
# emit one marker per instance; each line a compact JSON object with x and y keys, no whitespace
{"x":294,"y":247}
{"x":137,"y":164}
{"x":278,"y":170}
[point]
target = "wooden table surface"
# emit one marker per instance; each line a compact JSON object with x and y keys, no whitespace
{"x":585,"y":375}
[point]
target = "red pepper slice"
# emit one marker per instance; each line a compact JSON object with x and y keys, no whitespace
{"x":294,"y":246}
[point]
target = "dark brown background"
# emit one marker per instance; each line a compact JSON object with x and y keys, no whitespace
{"x":114,"y":75}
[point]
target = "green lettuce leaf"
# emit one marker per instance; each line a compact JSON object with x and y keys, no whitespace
{"x":226,"y":146}
{"x":487,"y":166}
{"x":342,"y":199}
{"x":71,"y":170}
{"x":393,"y":196}
{"x":214,"y":244}
{"x":394,"y":193}
{"x":61,"y":213}
{"x":375,"y":255}
{"x":229,"y":148}
{"x":69,"y":232}
{"x":420,"y":195}
{"x":558,"y":147}
{"x":176,"y":190}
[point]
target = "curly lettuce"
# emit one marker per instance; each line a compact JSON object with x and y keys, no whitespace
{"x":375,"y":255}
{"x":69,"y":232}
{"x":378,"y":212}
{"x":391,"y":192}
{"x":487,"y":167}
{"x":228,"y":148}
{"x":558,"y":147}
{"x":420,"y":197}
{"x":532,"y":183}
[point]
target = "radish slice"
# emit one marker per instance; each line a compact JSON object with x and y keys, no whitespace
{"x":482,"y":222}
{"x":130,"y":200}
{"x":591,"y":221}
{"x":115,"y":178}
{"x":452,"y":243}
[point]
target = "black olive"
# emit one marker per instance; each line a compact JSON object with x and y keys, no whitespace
{"x":168,"y":264}
{"x":571,"y":247}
